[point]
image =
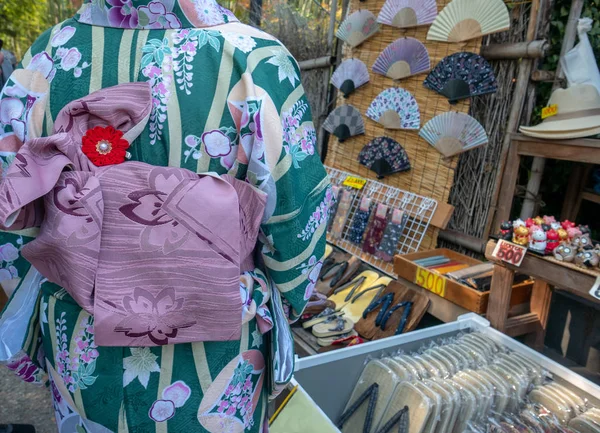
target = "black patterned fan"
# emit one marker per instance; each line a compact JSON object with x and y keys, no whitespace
{"x":461,"y":76}
{"x":384,"y":156}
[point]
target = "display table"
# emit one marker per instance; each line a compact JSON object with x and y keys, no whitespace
{"x":547,"y":272}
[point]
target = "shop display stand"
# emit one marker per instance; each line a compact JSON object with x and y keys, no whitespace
{"x":420,"y":210}
{"x":547,"y":271}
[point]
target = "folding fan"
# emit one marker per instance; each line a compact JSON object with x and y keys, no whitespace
{"x":350,"y":75}
{"x":462,"y":75}
{"x":408,"y":13}
{"x":403,"y":58}
{"x":453,"y":133}
{"x":395,"y":108}
{"x":384,"y":156}
{"x":462,"y":20}
{"x":344,"y":122}
{"x":358,"y":27}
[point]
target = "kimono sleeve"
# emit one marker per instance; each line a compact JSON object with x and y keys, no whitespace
{"x":290,"y":171}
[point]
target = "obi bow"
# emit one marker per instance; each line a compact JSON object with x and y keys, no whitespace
{"x":154,"y":253}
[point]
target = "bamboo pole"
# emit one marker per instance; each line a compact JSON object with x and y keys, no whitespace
{"x":318,"y":63}
{"x":332,"y":20}
{"x":521,"y":50}
{"x":538,"y":165}
{"x":498,"y":213}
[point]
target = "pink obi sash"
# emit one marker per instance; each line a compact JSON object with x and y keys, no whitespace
{"x":154,"y":253}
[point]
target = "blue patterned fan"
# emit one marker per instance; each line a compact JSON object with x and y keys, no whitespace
{"x":384,"y":156}
{"x":461,"y":76}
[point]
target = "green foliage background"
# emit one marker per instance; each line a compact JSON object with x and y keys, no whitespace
{"x":22,"y":21}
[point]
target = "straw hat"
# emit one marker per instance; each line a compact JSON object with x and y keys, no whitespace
{"x":578,"y":114}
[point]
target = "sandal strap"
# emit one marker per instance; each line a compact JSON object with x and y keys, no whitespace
{"x":372,"y":393}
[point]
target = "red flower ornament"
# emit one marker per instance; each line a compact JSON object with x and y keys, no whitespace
{"x":104,"y":146}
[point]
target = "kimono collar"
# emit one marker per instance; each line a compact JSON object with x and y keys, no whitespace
{"x":154,"y":14}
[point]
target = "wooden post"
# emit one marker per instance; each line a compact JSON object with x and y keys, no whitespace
{"x":538,"y":165}
{"x":499,"y":302}
{"x":541,"y":297}
{"x":525,"y":67}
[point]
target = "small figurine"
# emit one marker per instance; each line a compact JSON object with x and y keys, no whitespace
{"x":555,"y":226}
{"x":534,"y":228}
{"x":521,"y":235}
{"x":573,"y":232}
{"x":562,"y":235}
{"x":584,"y":229}
{"x":538,"y":241}
{"x":582,"y":242}
{"x":587,"y":259}
{"x":564,"y":253}
{"x":566,"y":224}
{"x":538,"y":220}
{"x":549,"y":220}
{"x":529,"y":222}
{"x":546,"y":227}
{"x":506,"y":230}
{"x":552,"y":241}
{"x":518,"y":223}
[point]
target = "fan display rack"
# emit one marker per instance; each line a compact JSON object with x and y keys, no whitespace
{"x":431,"y":174}
{"x":420,"y":210}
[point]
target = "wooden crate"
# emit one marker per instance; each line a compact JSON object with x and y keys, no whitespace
{"x":459,"y":294}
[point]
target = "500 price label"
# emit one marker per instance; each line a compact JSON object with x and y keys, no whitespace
{"x":435,"y":283}
{"x":509,"y":253}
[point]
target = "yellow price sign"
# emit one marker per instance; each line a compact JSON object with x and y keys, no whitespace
{"x":435,"y":283}
{"x":355,"y":182}
{"x":549,"y":111}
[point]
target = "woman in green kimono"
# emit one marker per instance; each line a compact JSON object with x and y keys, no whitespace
{"x":226,"y":98}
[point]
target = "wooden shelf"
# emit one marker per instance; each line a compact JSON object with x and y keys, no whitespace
{"x":592,"y":196}
{"x":570,"y":279}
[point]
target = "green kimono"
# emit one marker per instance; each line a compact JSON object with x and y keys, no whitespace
{"x":227,"y":98}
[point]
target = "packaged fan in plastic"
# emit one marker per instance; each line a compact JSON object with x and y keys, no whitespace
{"x":453,"y":133}
{"x":344,"y":122}
{"x":384,"y":156}
{"x":358,"y":27}
{"x":408,"y":13}
{"x":349,"y":76}
{"x":462,"y":20}
{"x":461,"y":76}
{"x":403,"y":58}
{"x":395,"y":108}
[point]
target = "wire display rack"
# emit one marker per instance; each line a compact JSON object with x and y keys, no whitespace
{"x":420,"y":211}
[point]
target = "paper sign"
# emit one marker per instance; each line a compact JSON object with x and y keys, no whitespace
{"x":595,"y":292}
{"x":510,"y":253}
{"x":355,"y":182}
{"x":550,"y":111}
{"x":435,"y":283}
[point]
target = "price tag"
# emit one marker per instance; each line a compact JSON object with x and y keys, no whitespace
{"x":550,"y":111}
{"x":355,"y":182}
{"x":595,"y":292}
{"x":510,"y":253}
{"x":435,"y":283}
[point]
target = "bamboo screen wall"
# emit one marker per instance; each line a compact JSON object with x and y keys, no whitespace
{"x":430,"y":176}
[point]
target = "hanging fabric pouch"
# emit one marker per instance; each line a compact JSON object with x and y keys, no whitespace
{"x":360,"y":221}
{"x":376,"y":229}
{"x":392,"y":235}
{"x":343,"y":210}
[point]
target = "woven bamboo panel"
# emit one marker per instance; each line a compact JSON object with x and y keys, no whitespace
{"x":431,"y":175}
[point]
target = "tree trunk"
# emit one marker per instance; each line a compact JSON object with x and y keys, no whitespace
{"x":256,"y":12}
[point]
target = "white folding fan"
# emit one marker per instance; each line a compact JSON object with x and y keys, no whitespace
{"x":344,"y":122}
{"x":395,"y":108}
{"x":462,"y":20}
{"x":408,"y":13}
{"x":350,"y":75}
{"x":358,"y":27}
{"x":402,"y":58}
{"x":453,"y":133}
